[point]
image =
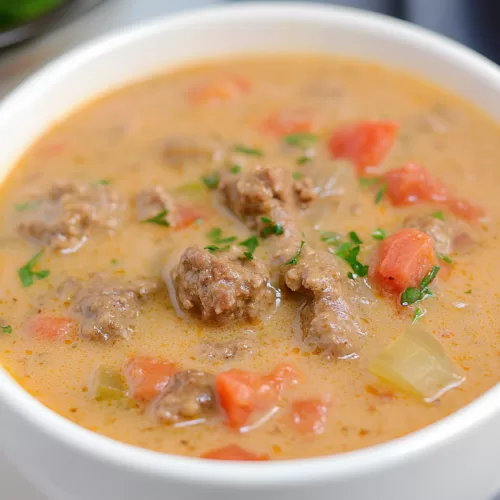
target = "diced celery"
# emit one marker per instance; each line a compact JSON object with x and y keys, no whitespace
{"x":110,"y":385}
{"x":417,"y":363}
{"x":192,"y":189}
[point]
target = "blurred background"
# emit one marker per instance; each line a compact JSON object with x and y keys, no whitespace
{"x":32,"y":32}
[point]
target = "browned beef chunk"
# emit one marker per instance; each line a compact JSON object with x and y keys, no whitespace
{"x":221,"y":351}
{"x":105,"y":307}
{"x":68,"y":214}
{"x":179,"y":151}
{"x":151,"y":202}
{"x":327,"y":321}
{"x":222,"y":287}
{"x":304,"y":189}
{"x":189,"y":395}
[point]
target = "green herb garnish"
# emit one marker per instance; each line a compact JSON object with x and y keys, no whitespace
{"x":419,"y":313}
{"x":211,"y":180}
{"x":303,"y":159}
{"x":102,"y":182}
{"x":215,"y":248}
{"x":297,"y":175}
{"x":300,"y":140}
{"x":271,"y":228}
{"x":366,"y":182}
{"x":235,"y":169}
{"x":412,"y":294}
{"x":239,"y":148}
{"x":294,"y":261}
{"x":355,"y":238}
{"x":215,"y":236}
{"x":438,"y":215}
{"x":379,"y":234}
{"x":27,"y":274}
{"x":380,"y":193}
{"x":6,"y":329}
{"x":27,"y":205}
{"x":251,"y":243}
{"x":114,"y":261}
{"x":158,"y":219}
{"x":349,"y":253}
{"x":445,"y":258}
{"x":330,"y":237}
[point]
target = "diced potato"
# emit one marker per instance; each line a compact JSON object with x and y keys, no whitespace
{"x":110,"y":385}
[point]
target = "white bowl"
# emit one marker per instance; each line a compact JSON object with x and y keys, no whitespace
{"x":456,"y":458}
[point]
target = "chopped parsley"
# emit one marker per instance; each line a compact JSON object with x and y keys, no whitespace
{"x":379,"y":234}
{"x":27,"y":205}
{"x":235,"y":169}
{"x":6,"y":329}
{"x":294,"y":261}
{"x":438,"y":215}
{"x":215,"y":248}
{"x":380,"y":193}
{"x":303,"y":159}
{"x":300,"y":140}
{"x":419,"y":313}
{"x":297,"y":175}
{"x":158,"y":219}
{"x":102,"y":182}
{"x":251,"y":243}
{"x":413,"y":294}
{"x":366,"y":182}
{"x":215,"y":236}
{"x":240,"y":148}
{"x":27,"y":274}
{"x":355,"y":238}
{"x":445,"y":258}
{"x":330,"y":237}
{"x":211,"y":180}
{"x":114,"y":261}
{"x":271,"y":228}
{"x":349,"y":253}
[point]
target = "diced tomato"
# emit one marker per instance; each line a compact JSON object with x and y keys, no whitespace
{"x":413,"y":183}
{"x":403,"y":259}
{"x":227,"y":88}
{"x":188,"y":215}
{"x":310,"y":415}
{"x":147,"y":377}
{"x":234,"y":452}
{"x":284,"y":123}
{"x":43,"y":327}
{"x":241,"y":393}
{"x":364,"y":143}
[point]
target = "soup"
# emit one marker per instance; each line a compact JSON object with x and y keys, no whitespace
{"x":256,"y":258}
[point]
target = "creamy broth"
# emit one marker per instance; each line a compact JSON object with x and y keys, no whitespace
{"x":121,"y":143}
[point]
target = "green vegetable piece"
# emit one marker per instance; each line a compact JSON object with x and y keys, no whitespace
{"x":110,"y":385}
{"x":211,"y":181}
{"x":366,"y":182}
{"x":297,"y":175}
{"x":303,"y":159}
{"x":27,"y":274}
{"x":215,"y":236}
{"x":379,"y":234}
{"x":294,"y":261}
{"x":438,"y":215}
{"x":158,"y":219}
{"x":330,"y":237}
{"x":445,"y":258}
{"x":412,"y":295}
{"x":380,"y":193}
{"x":419,"y":313}
{"x":191,"y":189}
{"x":355,"y":238}
{"x":235,"y":169}
{"x":300,"y":140}
{"x":6,"y":329}
{"x":240,"y":148}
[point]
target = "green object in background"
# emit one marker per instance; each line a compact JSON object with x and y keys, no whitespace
{"x":15,"y":12}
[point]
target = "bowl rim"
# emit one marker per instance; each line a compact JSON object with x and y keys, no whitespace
{"x":253,"y":475}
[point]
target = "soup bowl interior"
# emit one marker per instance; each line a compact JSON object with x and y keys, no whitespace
{"x":69,"y":462}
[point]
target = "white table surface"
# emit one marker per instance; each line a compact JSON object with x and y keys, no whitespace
{"x":17,"y":64}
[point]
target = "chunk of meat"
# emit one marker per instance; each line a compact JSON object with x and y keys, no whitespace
{"x":442,"y":232}
{"x":43,"y":327}
{"x":189,"y":395}
{"x":304,"y":189}
{"x":309,"y":416}
{"x":403,"y":259}
{"x":243,"y":393}
{"x":185,"y":151}
{"x":147,"y":377}
{"x":223,"y":287}
{"x":69,"y":213}
{"x":153,"y":201}
{"x":327,"y":321}
{"x":365,"y":143}
{"x":413,"y":184}
{"x":234,"y":452}
{"x":106,"y":307}
{"x":221,"y":351}
{"x":225,"y":88}
{"x":287,"y":122}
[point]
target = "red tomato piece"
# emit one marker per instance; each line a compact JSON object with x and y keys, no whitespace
{"x":43,"y":327}
{"x":365,"y":143}
{"x":227,"y":88}
{"x":187,"y":215}
{"x":147,"y":377}
{"x":403,"y":259}
{"x":241,"y":393}
{"x":234,"y":452}
{"x":309,"y":416}
{"x":284,"y":123}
